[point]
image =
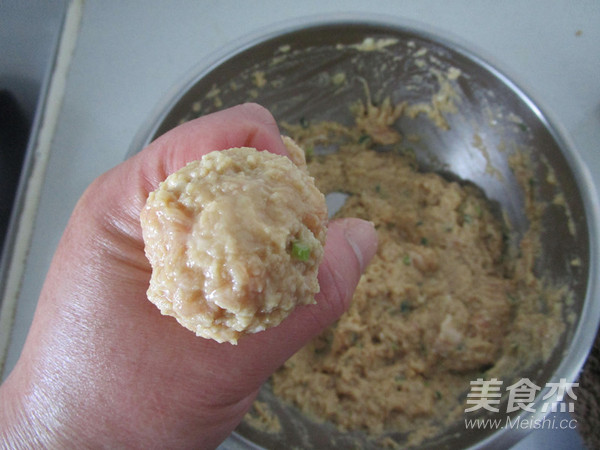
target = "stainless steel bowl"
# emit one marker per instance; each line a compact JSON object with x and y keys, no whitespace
{"x":299,"y":63}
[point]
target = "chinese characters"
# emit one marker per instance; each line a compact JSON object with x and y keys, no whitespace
{"x":487,"y":394}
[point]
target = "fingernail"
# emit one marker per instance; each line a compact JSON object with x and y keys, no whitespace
{"x":362,"y":237}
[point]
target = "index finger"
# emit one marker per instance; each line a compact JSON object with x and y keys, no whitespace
{"x":247,"y":125}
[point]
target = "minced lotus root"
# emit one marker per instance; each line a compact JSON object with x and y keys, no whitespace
{"x":235,"y":241}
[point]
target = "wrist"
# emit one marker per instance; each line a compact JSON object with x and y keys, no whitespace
{"x":33,"y":417}
{"x":19,"y":429}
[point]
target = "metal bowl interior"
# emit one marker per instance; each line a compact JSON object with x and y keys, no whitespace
{"x":494,"y":119}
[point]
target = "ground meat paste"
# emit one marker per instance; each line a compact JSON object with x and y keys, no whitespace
{"x":235,"y":241}
{"x":436,"y":308}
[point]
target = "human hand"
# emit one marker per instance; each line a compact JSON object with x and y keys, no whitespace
{"x":102,"y":367}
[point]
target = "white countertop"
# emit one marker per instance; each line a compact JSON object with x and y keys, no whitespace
{"x":128,"y":54}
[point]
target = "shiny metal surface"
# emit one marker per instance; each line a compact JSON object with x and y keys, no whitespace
{"x":490,"y":106}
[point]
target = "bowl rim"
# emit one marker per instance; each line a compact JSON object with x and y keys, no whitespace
{"x":577,"y":351}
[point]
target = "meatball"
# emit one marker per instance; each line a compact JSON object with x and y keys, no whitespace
{"x":235,"y":241}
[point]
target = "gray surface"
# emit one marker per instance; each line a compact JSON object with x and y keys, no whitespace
{"x":129,"y":54}
{"x":29,"y":33}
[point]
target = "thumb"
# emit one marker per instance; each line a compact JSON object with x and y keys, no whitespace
{"x":350,"y":246}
